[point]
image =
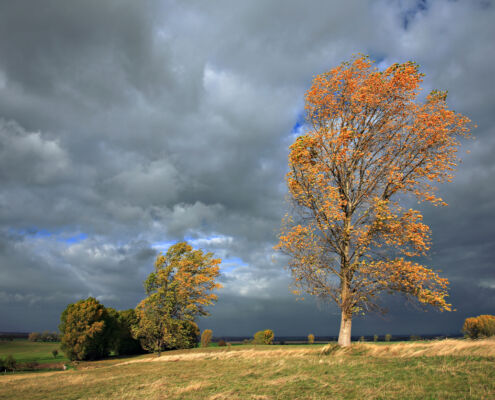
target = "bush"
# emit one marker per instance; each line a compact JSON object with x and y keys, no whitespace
{"x":311,"y":338}
{"x":361,"y":339}
{"x":34,"y":337}
{"x":415,"y":338}
{"x":479,"y":327}
{"x":264,"y":337}
{"x":388,"y":337}
{"x":375,"y":338}
{"x":55,"y":353}
{"x":206,"y":337}
{"x":222,"y":343}
{"x":48,"y":336}
{"x":2,"y":365}
{"x":246,"y":341}
{"x":30,"y":366}
{"x":10,"y":363}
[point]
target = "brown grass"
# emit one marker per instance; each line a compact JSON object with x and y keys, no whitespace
{"x":447,"y":347}
{"x":448,"y":369}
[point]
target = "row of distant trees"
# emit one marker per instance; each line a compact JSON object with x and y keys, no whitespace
{"x":45,"y":336}
{"x":178,"y":290}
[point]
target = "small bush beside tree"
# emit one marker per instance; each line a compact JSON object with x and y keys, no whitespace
{"x":206,"y":337}
{"x":34,"y":337}
{"x":10,"y":363}
{"x":479,"y":327}
{"x":264,"y":337}
{"x":222,"y":343}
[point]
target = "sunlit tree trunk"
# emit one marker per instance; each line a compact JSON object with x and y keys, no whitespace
{"x":345,"y":330}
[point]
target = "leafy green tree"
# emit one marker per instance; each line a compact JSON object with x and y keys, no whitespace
{"x":87,"y":330}
{"x":123,"y":341}
{"x":179,"y":289}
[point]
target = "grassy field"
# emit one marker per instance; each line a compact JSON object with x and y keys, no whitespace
{"x":448,"y":369}
{"x":24,"y":351}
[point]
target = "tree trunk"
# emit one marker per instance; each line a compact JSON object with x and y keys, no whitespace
{"x":345,"y":330}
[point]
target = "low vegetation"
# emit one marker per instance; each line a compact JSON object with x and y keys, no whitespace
{"x":479,"y":327}
{"x":264,"y":337}
{"x":453,"y":369}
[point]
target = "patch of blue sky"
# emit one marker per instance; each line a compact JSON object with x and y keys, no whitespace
{"x":31,"y":232}
{"x":163,"y":245}
{"x":59,"y":236}
{"x":79,"y":237}
{"x":232,"y":263}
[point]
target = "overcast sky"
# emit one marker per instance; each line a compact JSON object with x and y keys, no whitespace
{"x":126,"y":126}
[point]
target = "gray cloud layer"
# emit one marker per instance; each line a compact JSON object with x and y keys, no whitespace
{"x":126,"y":126}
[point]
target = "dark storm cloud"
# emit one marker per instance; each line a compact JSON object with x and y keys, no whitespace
{"x":125,"y":126}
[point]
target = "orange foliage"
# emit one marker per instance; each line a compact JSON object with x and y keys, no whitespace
{"x":369,"y":141}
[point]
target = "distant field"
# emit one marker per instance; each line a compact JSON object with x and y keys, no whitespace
{"x":449,"y":369}
{"x":25,"y":351}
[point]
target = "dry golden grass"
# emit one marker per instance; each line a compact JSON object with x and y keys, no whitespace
{"x":450,"y":369}
{"x":435,"y":348}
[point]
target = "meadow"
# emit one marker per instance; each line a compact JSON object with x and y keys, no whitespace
{"x":446,"y":369}
{"x":26,"y":351}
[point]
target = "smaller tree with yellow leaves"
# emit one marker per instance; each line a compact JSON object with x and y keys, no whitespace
{"x":179,"y":290}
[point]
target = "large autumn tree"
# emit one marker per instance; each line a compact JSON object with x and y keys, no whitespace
{"x":179,"y":290}
{"x":369,"y":149}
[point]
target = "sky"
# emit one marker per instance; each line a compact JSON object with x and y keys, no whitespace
{"x":127,"y":126}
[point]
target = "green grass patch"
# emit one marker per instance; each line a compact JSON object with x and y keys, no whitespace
{"x":25,"y":351}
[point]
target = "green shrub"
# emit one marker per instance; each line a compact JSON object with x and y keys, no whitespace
{"x":311,"y":338}
{"x":264,"y":337}
{"x":375,"y":338}
{"x":415,"y":338}
{"x":479,"y":327}
{"x":2,"y":365}
{"x":10,"y":363}
{"x":206,"y":337}
{"x":55,"y":353}
{"x":388,"y":337}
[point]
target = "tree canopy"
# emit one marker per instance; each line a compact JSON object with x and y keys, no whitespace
{"x":179,"y":290}
{"x":370,"y":148}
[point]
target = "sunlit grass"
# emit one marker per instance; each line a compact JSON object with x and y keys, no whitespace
{"x":366,"y":371}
